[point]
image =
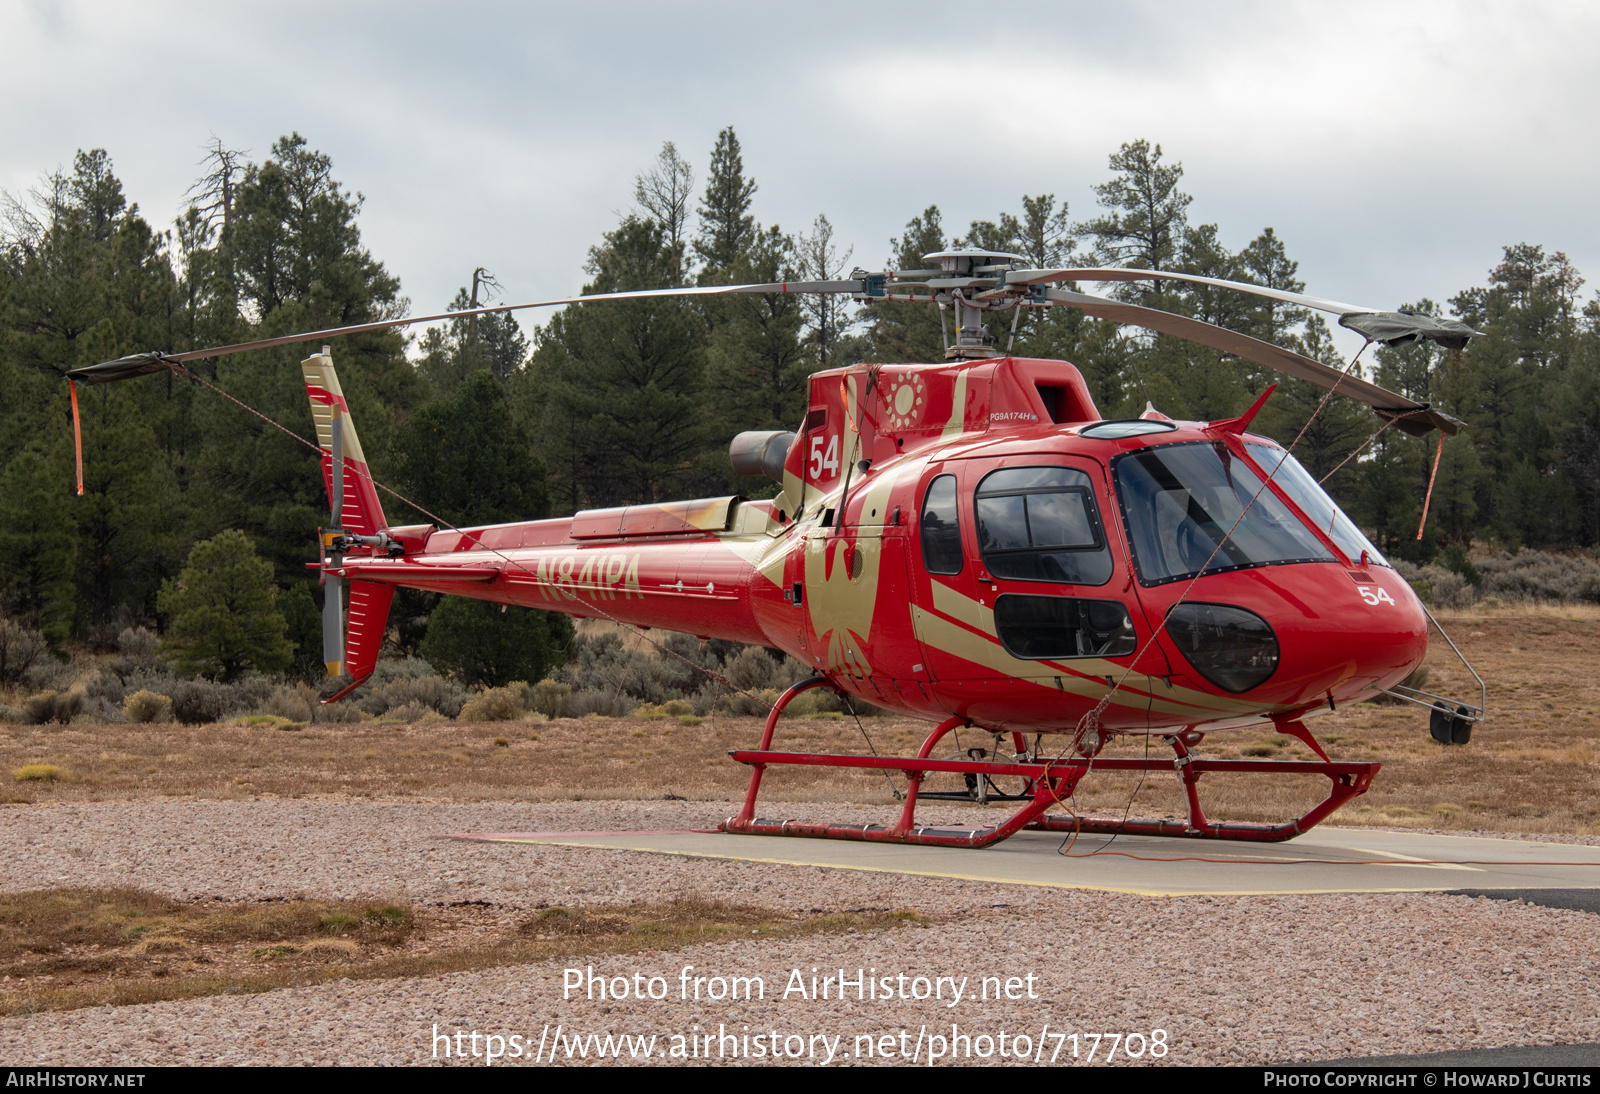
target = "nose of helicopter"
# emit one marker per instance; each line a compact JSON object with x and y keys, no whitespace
{"x":1297,"y":635}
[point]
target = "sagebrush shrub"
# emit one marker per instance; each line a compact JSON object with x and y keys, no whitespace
{"x":755,"y":704}
{"x":48,"y":675}
{"x":493,"y":705}
{"x":1539,"y":575}
{"x":107,"y":686}
{"x":138,"y":654}
{"x":604,"y":703}
{"x":51,"y":706}
{"x":147,"y":706}
{"x":550,"y":698}
{"x":340,"y":713}
{"x":201,"y":702}
{"x":21,"y":649}
{"x":1444,"y":588}
{"x":104,"y":710}
{"x":754,"y":669}
{"x":430,"y":690}
{"x":294,"y":703}
{"x":410,"y":712}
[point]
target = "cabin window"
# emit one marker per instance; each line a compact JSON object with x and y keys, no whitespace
{"x":1050,"y":627}
{"x":816,"y":418}
{"x":941,"y":527}
{"x":1040,"y":524}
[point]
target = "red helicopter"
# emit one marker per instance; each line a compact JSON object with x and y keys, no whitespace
{"x":971,"y":543}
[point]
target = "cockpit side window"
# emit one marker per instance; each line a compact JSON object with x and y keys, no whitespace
{"x":1041,"y":524}
{"x":941,"y":527}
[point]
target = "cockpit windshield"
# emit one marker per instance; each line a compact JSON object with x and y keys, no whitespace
{"x":1180,"y":502}
{"x":1314,"y":503}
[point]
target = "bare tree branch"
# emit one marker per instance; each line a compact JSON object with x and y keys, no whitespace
{"x":664,"y":191}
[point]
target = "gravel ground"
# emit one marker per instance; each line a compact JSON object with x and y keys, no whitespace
{"x":1229,"y":980}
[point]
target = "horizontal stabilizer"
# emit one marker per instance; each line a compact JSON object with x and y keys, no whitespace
{"x":401,"y":573}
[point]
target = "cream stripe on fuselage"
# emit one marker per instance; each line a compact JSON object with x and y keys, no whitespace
{"x":941,"y":628}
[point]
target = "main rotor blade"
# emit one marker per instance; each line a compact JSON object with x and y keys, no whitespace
{"x":1413,"y":417}
{"x":1117,"y":273}
{"x":138,"y":364}
{"x":1374,"y":324}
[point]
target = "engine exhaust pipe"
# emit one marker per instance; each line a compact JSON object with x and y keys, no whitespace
{"x":761,"y":452}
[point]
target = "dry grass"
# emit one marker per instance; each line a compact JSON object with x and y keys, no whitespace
{"x":436,"y":760}
{"x":1532,"y":767}
{"x":66,"y":948}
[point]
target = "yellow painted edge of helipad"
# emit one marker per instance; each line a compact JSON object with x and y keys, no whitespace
{"x":949,"y":876}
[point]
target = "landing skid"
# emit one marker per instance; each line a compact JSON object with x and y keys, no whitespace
{"x":1047,"y":783}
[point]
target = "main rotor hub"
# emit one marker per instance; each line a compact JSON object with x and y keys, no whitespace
{"x":971,"y":276}
{"x":969,"y":261}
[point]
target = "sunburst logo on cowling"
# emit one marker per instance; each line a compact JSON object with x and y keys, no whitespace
{"x":906,"y":396}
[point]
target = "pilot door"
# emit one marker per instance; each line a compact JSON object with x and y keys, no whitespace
{"x":1029,"y":612}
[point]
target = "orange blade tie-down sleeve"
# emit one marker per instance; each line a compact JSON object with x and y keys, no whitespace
{"x":77,"y":434}
{"x":1427,"y":501}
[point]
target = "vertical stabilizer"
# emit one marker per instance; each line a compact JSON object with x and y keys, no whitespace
{"x":360,"y":513}
{"x":350,"y":644}
{"x":369,"y":617}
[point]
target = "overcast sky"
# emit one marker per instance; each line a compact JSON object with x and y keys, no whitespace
{"x":1394,"y":147}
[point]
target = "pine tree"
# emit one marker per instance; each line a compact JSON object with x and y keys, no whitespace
{"x":1266,"y":263}
{"x":757,"y":366}
{"x":97,"y":193}
{"x":451,"y":353}
{"x":294,"y":241}
{"x":483,"y":643}
{"x":817,"y":258}
{"x":1147,"y":213}
{"x":620,"y":383}
{"x":38,"y":541}
{"x":1338,"y":429}
{"x":726,"y":227}
{"x":222,"y":614}
{"x":466,"y":458}
{"x":295,"y":250}
{"x":900,"y":332}
{"x":1529,"y":316}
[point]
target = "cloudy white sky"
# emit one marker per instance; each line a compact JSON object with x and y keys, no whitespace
{"x":1396,"y":147}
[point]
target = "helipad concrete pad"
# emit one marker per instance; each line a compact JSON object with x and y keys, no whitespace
{"x":1326,"y":860}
